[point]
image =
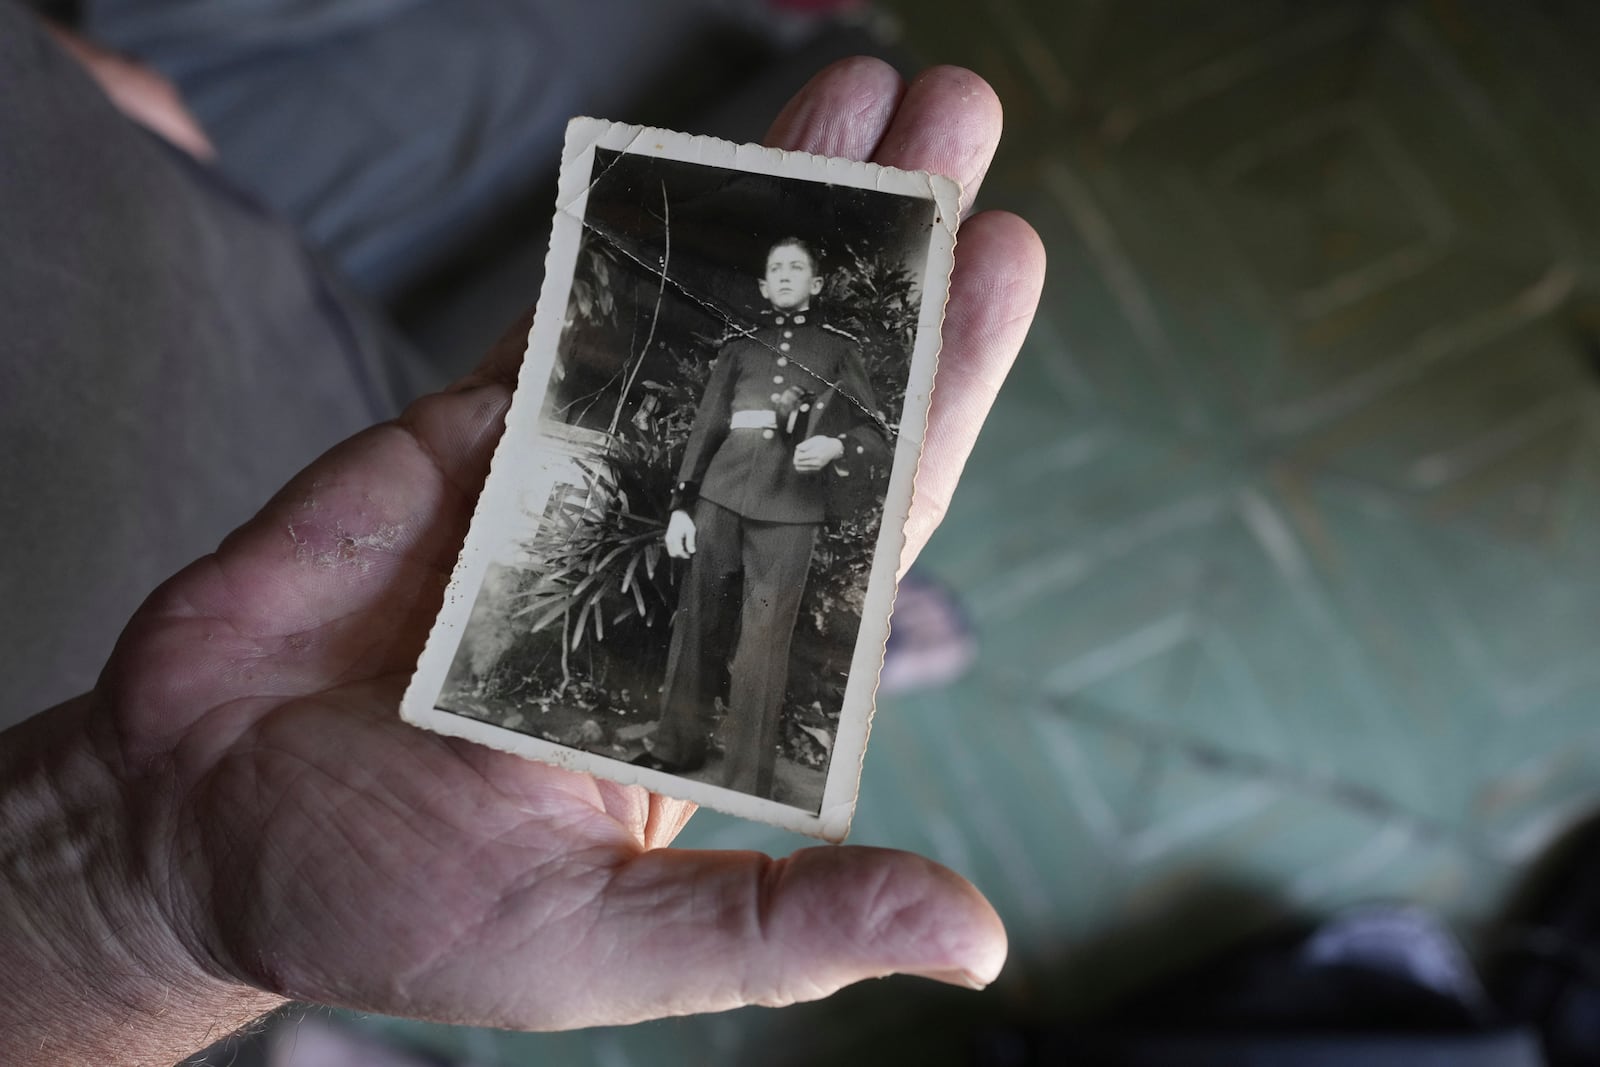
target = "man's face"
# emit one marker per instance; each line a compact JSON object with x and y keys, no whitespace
{"x":791,"y":279}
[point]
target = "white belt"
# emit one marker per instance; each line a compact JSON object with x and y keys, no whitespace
{"x":754,"y":420}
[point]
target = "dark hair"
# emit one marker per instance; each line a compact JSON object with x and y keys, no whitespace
{"x":795,"y":242}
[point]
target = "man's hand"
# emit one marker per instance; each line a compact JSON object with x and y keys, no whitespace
{"x":237,"y":813}
{"x":680,"y":535}
{"x":815,"y":453}
{"x":139,"y":92}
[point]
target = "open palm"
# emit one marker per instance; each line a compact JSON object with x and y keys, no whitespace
{"x":309,"y":843}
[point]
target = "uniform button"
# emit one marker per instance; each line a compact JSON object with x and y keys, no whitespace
{"x":777,"y":379}
{"x":774,"y":398}
{"x":778,"y":320}
{"x":767,"y":434}
{"x":860,"y":449}
{"x":783,"y":361}
{"x":783,"y":346}
{"x":799,"y":320}
{"x":788,"y":333}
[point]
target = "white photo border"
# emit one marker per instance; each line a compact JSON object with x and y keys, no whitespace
{"x":498,"y":514}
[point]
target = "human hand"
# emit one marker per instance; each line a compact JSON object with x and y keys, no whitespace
{"x":237,"y":814}
{"x":139,"y":92}
{"x":680,"y":535}
{"x":815,"y":453}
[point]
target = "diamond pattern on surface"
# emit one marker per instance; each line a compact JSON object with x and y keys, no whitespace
{"x":1283,"y":542}
{"x":1295,"y":576}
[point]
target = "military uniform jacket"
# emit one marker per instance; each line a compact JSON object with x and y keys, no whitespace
{"x":810,"y":375}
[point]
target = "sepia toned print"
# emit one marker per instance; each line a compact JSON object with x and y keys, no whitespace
{"x":681,"y":568}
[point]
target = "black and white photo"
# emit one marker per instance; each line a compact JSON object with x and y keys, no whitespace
{"x":681,"y":568}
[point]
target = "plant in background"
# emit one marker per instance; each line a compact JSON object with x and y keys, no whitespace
{"x":877,"y":301}
{"x":602,"y":567}
{"x":601,"y":560}
{"x":592,"y":301}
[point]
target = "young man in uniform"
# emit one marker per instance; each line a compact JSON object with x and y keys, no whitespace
{"x":788,"y":407}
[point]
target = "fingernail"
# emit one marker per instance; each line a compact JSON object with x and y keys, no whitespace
{"x":954,"y":976}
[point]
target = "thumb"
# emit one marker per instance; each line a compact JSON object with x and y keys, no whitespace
{"x":688,"y":537}
{"x":710,"y":931}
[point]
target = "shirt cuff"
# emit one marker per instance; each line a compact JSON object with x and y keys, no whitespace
{"x":684,"y":494}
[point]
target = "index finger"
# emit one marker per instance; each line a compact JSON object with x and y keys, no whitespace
{"x":947,"y":121}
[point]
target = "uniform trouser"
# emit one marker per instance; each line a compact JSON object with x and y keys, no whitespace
{"x":745,"y":578}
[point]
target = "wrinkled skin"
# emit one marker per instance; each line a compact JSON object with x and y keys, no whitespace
{"x":296,"y":837}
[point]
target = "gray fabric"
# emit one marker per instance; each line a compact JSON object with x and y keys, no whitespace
{"x":187,"y":36}
{"x":395,"y":132}
{"x":169,"y":355}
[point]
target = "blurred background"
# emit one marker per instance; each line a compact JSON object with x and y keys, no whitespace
{"x":1276,"y":566}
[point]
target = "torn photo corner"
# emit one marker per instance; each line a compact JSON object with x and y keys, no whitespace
{"x":682,"y":565}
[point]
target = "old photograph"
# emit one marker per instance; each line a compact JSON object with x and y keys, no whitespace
{"x":681,"y":570}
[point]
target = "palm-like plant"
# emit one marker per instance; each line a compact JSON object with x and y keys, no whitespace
{"x":601,"y":559}
{"x":878,"y":301}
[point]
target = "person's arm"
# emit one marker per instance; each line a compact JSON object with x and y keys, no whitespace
{"x":865,"y":441}
{"x":95,"y":966}
{"x":711,"y":421}
{"x":847,"y":433}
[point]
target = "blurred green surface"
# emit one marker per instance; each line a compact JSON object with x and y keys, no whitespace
{"x":1282,"y":543}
